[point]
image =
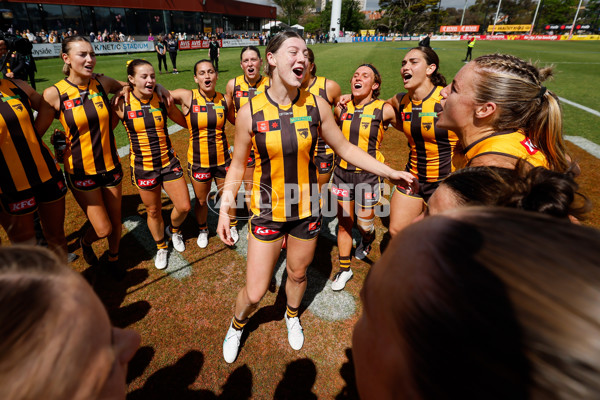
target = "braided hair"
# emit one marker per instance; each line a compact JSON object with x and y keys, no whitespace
{"x":515,"y":86}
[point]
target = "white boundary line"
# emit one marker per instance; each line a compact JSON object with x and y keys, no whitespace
{"x":584,"y":108}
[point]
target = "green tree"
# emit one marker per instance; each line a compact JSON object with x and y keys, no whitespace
{"x":292,"y":10}
{"x":408,"y":16}
{"x":556,"y":12}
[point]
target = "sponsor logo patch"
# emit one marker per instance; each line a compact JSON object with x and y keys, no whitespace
{"x":202,"y":175}
{"x":241,"y":93}
{"x":314,"y":227}
{"x":406,"y":116}
{"x":370,"y":196}
{"x":262,"y":231}
{"x":529,"y":147}
{"x":266,"y":126}
{"x":146,"y":182}
{"x":84,"y":183}
{"x":346,"y":117}
{"x":340,"y":192}
{"x":135,"y":114}
{"x":22,"y":205}
{"x":198,"y":109}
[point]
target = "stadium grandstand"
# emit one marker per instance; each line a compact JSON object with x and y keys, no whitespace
{"x":138,"y":18}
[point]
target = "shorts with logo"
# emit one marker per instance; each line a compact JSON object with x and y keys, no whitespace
{"x":149,"y":180}
{"x":206,"y":174}
{"x":265,"y":230}
{"x":426,"y":189}
{"x":26,"y":201}
{"x":86,"y":183}
{"x":364,"y":188}
{"x":324,"y":163}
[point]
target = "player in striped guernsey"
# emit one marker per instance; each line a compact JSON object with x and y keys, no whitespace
{"x":154,"y":164}
{"x":30,"y":176}
{"x":431,"y":147}
{"x":206,"y":111}
{"x":330,"y":91}
{"x":363,"y":121}
{"x":501,"y":112}
{"x":91,"y":163}
{"x":282,"y":126}
{"x":243,"y":88}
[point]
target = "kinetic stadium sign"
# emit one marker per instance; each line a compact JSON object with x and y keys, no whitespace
{"x":459,"y":28}
{"x":510,"y":28}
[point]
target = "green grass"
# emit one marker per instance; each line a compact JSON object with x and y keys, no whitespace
{"x":576,"y":65}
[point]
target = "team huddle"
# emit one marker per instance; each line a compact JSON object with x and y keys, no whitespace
{"x":296,"y":137}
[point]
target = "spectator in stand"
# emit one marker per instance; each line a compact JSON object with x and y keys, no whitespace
{"x":52,"y":38}
{"x":121,"y":37}
{"x":130,"y":38}
{"x":150,"y":37}
{"x":92,"y":37}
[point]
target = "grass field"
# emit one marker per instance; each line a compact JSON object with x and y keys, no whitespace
{"x":183,"y":312}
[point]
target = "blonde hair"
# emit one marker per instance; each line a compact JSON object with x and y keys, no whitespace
{"x":515,"y":86}
{"x":43,"y":350}
{"x":502,"y":304}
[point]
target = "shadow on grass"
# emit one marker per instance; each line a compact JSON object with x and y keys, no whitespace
{"x":174,"y":381}
{"x":298,"y":381}
{"x":349,"y":392}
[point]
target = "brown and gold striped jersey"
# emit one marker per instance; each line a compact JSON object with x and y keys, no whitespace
{"x":206,"y":121}
{"x":25,"y":160}
{"x":243,"y":91}
{"x":431,"y":148}
{"x":509,"y":144}
{"x":319,"y":88}
{"x":146,"y":125}
{"x":363,"y":126}
{"x":86,"y":117}
{"x":284,"y":139}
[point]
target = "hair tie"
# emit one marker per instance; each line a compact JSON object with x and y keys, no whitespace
{"x":541,"y":93}
{"x":372,"y":68}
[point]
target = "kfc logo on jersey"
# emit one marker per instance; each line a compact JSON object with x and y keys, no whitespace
{"x":146,"y":182}
{"x":68,"y":104}
{"x":202,"y":175}
{"x":22,"y":205}
{"x":324,"y":165}
{"x":370,"y":196}
{"x":60,"y":185}
{"x":529,"y":147}
{"x":84,"y":183}
{"x":346,"y":117}
{"x":199,"y":109}
{"x":262,"y":231}
{"x":406,"y":116}
{"x":340,"y":192}
{"x":241,"y":93}
{"x":117,"y":176}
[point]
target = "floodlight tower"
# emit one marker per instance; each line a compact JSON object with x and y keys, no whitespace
{"x":336,"y":13}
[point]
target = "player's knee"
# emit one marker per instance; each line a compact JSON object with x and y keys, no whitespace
{"x":154,"y":212}
{"x":103,"y":230}
{"x":255,"y":295}
{"x":184,"y":208}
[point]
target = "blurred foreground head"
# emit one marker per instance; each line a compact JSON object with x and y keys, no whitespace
{"x":56,"y":340}
{"x":483,"y":303}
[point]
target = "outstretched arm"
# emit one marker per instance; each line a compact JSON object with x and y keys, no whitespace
{"x":235,"y":174}
{"x":353,"y":154}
